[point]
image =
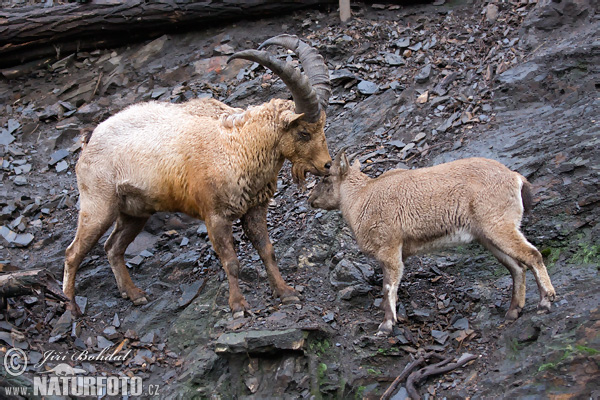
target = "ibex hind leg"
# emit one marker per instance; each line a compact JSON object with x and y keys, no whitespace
{"x":126,"y":229}
{"x":517,"y":271}
{"x":512,"y":242}
{"x":94,"y":219}
{"x":393,"y":269}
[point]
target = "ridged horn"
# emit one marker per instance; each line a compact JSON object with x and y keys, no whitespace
{"x":311,"y":91}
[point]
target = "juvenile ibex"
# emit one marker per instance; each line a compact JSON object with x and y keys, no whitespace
{"x":405,"y":212}
{"x":207,"y":160}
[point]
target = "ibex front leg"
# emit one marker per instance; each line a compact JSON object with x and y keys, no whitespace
{"x":255,"y":227}
{"x":221,"y":235}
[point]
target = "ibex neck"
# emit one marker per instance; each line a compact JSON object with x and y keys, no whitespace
{"x":352,"y":190}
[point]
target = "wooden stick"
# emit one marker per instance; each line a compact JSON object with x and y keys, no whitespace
{"x":407,"y":370}
{"x":435,"y":369}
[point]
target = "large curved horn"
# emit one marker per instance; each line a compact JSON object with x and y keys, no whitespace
{"x":312,"y":62}
{"x":311,"y":91}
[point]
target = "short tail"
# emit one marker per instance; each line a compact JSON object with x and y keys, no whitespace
{"x":86,"y":135}
{"x":526,"y":196}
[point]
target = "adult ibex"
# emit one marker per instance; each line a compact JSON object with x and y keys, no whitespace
{"x":405,"y":212}
{"x":207,"y":160}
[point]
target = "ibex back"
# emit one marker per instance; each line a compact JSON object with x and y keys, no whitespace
{"x":404,"y":212}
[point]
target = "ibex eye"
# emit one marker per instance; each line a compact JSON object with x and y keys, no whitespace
{"x":304,"y":136}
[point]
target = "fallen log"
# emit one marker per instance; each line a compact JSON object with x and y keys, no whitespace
{"x":30,"y":33}
{"x":20,"y":283}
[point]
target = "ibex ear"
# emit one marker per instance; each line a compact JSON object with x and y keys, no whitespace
{"x":356,"y":164}
{"x":288,"y":118}
{"x":344,"y":164}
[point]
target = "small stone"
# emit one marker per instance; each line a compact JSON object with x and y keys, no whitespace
{"x":394,"y":59}
{"x":135,"y":261}
{"x":461,"y":323}
{"x":81,"y":302}
{"x":110,"y":332}
{"x":104,"y":343}
{"x":57,"y":156}
{"x":20,"y":180}
{"x":63,"y":325}
{"x":424,"y":74}
{"x":116,"y":322}
{"x":79,"y":344}
{"x":491,"y":12}
{"x":190,"y":292}
{"x":13,"y":125}
{"x":367,"y":87}
{"x":399,"y":144}
{"x":440,"y":336}
{"x":62,"y":166}
{"x":23,"y":239}
{"x":329,"y":317}
{"x":224,"y":49}
{"x":6,"y":138}
{"x":7,"y":234}
{"x":184,"y":242}
{"x":403,"y":42}
{"x":148,"y":338}
{"x":419,"y":137}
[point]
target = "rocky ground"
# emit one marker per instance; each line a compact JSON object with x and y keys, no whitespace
{"x":413,"y":86}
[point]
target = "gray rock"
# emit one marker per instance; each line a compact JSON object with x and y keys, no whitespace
{"x":399,"y":144}
{"x":63,"y":325}
{"x":82,"y":303}
{"x":491,"y":12}
{"x":143,"y":241}
{"x":440,"y":336}
{"x":20,"y":180}
{"x":6,"y":138}
{"x":110,"y":332}
{"x":393,"y":59}
{"x":57,"y":156}
{"x":23,"y":239}
{"x":135,"y":261}
{"x":424,"y":74}
{"x":260,"y":342}
{"x":148,"y":338}
{"x":346,"y":274}
{"x":367,"y":87}
{"x":403,"y":42}
{"x":62,"y":166}
{"x":341,"y":76}
{"x":461,"y":323}
{"x":329,"y":317}
{"x":190,"y":292}
{"x":7,"y":234}
{"x":401,"y":394}
{"x":142,"y":357}
{"x":103,"y":342}
{"x":13,"y":125}
{"x":116,"y":321}
{"x":518,"y":73}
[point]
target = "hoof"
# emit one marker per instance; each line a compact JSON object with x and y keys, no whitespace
{"x":512,"y":315}
{"x":74,"y":308}
{"x":545,"y":305}
{"x":238,"y":314}
{"x":290,"y":300}
{"x":385,"y":329}
{"x":140,"y":301}
{"x":137,"y":296}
